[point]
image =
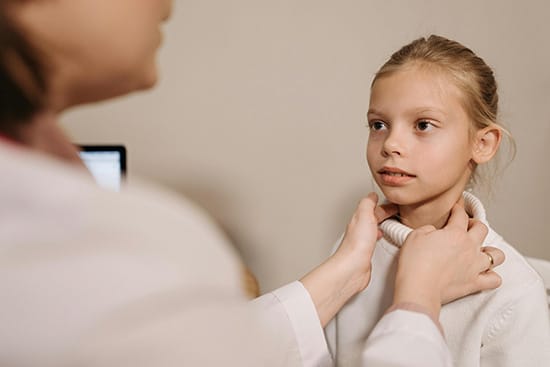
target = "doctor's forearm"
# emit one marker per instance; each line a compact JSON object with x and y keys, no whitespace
{"x":331,"y":285}
{"x":348,"y":270}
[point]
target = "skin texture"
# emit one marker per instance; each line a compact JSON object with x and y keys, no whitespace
{"x":95,"y":50}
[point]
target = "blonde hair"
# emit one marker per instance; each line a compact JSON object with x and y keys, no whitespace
{"x":473,"y":77}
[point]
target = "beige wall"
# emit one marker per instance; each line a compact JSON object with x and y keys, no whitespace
{"x":260,"y":115}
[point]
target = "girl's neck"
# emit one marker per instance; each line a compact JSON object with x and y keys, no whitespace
{"x":43,"y":134}
{"x":434,"y":212}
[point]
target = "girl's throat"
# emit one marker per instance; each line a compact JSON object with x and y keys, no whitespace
{"x":421,"y":216}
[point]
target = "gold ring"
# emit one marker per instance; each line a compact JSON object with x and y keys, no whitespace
{"x":491,"y":260}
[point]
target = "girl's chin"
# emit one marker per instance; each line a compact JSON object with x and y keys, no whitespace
{"x":397,"y":199}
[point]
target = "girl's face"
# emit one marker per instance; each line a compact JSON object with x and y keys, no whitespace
{"x":419,"y":148}
{"x":95,"y":49}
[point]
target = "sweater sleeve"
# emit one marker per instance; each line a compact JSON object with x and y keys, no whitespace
{"x":406,"y":338}
{"x":519,"y":334}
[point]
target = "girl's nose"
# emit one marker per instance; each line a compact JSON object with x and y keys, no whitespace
{"x":393,"y":145}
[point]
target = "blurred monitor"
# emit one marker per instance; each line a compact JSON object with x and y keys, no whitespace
{"x":107,"y":163}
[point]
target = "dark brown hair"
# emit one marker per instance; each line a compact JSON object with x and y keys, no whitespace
{"x":22,"y":82}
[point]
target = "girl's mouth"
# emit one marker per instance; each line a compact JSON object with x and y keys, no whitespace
{"x":397,"y":174}
{"x":394,"y":177}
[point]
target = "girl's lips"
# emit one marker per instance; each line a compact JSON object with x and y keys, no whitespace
{"x":394,"y":176}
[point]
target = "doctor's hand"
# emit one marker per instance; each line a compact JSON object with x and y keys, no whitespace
{"x":348,"y":270}
{"x":438,"y":266}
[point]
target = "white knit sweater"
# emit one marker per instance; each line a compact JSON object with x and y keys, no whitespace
{"x":500,"y":328}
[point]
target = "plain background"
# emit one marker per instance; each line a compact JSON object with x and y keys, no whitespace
{"x":260,"y":115}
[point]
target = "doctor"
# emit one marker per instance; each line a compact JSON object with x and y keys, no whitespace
{"x":143,"y":278}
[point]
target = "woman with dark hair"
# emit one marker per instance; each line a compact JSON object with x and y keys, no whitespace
{"x":143,"y":278}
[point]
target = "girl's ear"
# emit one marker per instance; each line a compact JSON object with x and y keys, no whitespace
{"x":486,"y":143}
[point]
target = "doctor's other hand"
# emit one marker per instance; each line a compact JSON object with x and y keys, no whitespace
{"x":436,"y":267}
{"x":362,"y":232}
{"x":348,"y":270}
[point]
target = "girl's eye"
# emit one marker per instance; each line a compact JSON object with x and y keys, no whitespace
{"x":424,"y":125}
{"x":377,"y":125}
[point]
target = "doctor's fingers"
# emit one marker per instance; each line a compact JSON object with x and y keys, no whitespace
{"x":487,"y":280}
{"x":477,"y":230}
{"x":458,"y":218}
{"x":489,"y":258}
{"x":384,"y":211}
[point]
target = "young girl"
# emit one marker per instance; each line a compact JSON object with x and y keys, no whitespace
{"x":433,"y":120}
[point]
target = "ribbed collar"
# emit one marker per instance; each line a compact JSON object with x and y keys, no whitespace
{"x":396,"y":232}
